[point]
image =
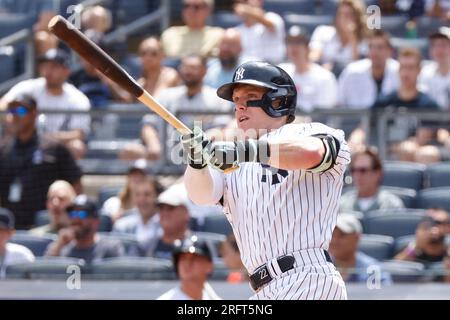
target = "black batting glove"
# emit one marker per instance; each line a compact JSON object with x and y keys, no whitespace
{"x":227,"y":155}
{"x":195,"y":148}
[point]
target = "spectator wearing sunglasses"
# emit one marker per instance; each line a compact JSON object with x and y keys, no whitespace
{"x":367,"y":175}
{"x":195,"y":37}
{"x":429,"y":244}
{"x":80,"y":239}
{"x":30,"y":163}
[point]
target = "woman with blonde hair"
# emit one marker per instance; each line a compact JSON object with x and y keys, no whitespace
{"x":336,"y":46}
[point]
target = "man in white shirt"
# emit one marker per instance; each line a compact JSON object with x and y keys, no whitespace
{"x":434,"y":78}
{"x":316,"y":86}
{"x":193,"y":264}
{"x":363,"y":81}
{"x":262,"y":33}
{"x":10,"y":253}
{"x":143,"y":221}
{"x":52,"y":92}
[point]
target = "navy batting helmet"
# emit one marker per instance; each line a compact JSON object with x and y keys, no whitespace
{"x":192,"y":244}
{"x":263,"y":74}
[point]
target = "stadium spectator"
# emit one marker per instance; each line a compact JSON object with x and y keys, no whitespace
{"x":80,"y":239}
{"x":438,"y":9}
{"x":408,"y":95}
{"x":195,"y":37}
{"x":316,"y":86}
{"x":44,"y":41}
{"x":361,"y":82}
{"x":193,"y":264}
{"x":193,"y":95}
{"x":429,"y":245}
{"x":336,"y":46}
{"x":156,"y":76}
{"x":221,"y":69}
{"x":60,"y":195}
{"x":96,"y":18}
{"x":99,"y":89}
{"x":229,"y":251}
{"x":434,"y":78}
{"x":367,"y":174}
{"x":51,"y":91}
{"x":30,"y":163}
{"x":173,"y":210}
{"x":262,"y":33}
{"x":354,"y":265}
{"x":447,"y":266}
{"x":143,"y":220}
{"x":118,"y":206}
{"x":10,"y":253}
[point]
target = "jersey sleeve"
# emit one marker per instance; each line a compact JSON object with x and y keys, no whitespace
{"x":315,"y":128}
{"x":219,"y":185}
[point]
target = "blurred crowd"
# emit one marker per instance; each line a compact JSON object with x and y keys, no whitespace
{"x":344,"y":65}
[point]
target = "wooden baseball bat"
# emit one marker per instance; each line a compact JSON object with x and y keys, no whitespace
{"x":92,"y":53}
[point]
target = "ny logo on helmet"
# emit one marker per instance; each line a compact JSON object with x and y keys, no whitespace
{"x":239,"y":74}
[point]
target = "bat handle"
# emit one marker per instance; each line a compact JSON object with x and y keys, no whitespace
{"x":230,"y":170}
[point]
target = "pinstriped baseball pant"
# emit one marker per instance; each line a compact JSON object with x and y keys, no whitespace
{"x":311,"y":278}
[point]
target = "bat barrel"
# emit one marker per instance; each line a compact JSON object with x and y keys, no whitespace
{"x":89,"y":51}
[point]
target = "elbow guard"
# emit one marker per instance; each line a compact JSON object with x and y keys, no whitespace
{"x":332,"y":146}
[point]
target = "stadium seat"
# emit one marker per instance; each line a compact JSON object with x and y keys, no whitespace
{"x":438,"y":175}
{"x":394,"y":223}
{"x":407,"y":195}
{"x":45,"y":268}
{"x":395,"y":25}
{"x":129,"y":241}
{"x":419,"y":43}
{"x":103,"y":167}
{"x":225,"y":19}
{"x":214,"y":240}
{"x":107,"y":192}
{"x":37,"y":244}
{"x":377,"y":246}
{"x":7,"y":63}
{"x":403,"y":174}
{"x":326,"y":7}
{"x":42,"y":218}
{"x":404,"y":271}
{"x":402,"y":242}
{"x":132,"y":268}
{"x":434,"y":197}
{"x":217,"y":223}
{"x":309,"y":22}
{"x":427,"y":25}
{"x":306,"y":7}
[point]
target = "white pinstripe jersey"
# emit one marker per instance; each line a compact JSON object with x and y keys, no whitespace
{"x":273,"y":214}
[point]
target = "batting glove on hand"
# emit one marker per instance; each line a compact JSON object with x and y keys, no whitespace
{"x":227,"y":155}
{"x":195,"y":148}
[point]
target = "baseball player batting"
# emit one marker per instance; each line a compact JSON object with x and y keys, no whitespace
{"x":282,"y":198}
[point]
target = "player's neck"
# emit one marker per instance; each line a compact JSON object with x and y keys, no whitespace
{"x":302,"y":66}
{"x":193,"y":289}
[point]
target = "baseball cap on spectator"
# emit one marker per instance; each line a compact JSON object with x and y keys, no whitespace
{"x":348,"y":223}
{"x":6,"y":219}
{"x":175,"y":195}
{"x":140,"y":165}
{"x":297,"y":34}
{"x":442,"y":32}
{"x":55,"y":55}
{"x":82,"y":205}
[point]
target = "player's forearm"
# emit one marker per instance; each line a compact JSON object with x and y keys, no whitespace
{"x":306,"y":153}
{"x":199,"y":185}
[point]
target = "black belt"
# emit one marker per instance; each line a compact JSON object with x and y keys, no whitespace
{"x":261,"y":276}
